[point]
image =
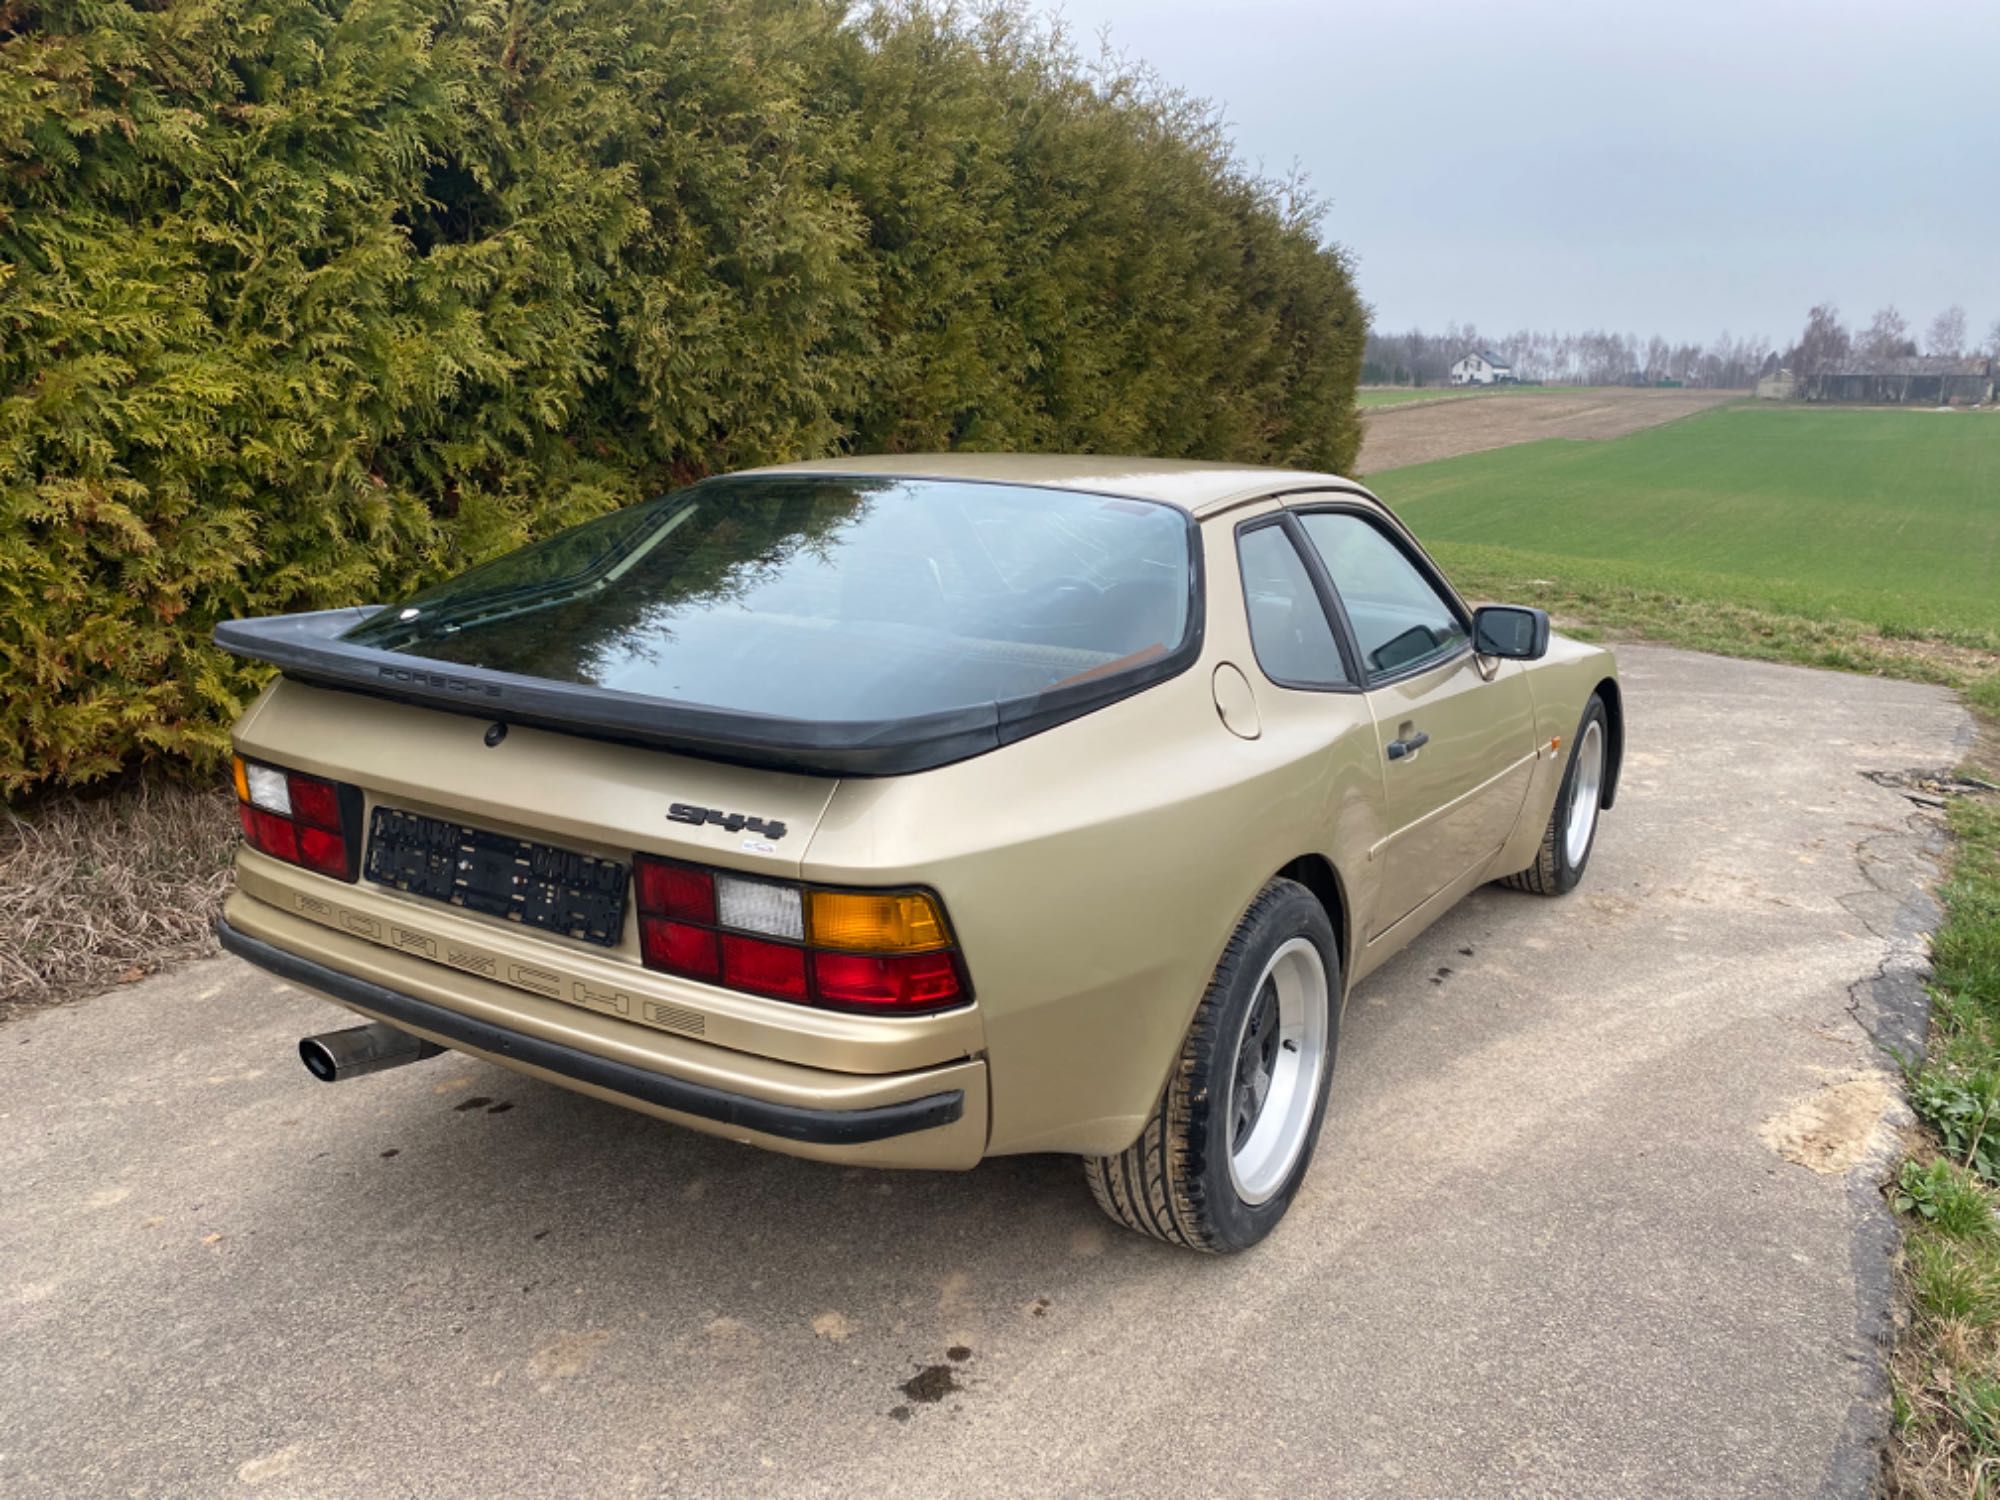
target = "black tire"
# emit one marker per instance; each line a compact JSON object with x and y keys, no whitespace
{"x":1552,"y":873}
{"x":1174,"y":1182}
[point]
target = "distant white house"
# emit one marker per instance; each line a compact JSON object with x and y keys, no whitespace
{"x":1779,"y":385}
{"x":1481,"y":368}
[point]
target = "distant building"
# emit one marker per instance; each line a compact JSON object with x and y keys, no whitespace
{"x":1919,"y":380}
{"x":1779,"y":385}
{"x":1481,"y":368}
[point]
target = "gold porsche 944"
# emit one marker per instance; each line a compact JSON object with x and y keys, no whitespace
{"x":912,"y":811}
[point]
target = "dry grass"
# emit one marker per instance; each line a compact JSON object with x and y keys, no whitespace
{"x":1420,"y":432}
{"x":105,"y":887}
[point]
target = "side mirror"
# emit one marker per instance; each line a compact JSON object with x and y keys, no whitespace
{"x":1511,"y":631}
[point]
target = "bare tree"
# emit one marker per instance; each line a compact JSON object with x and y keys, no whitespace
{"x":1947,"y":335}
{"x":1825,"y":342}
{"x":1888,"y":337}
{"x":1993,"y":339}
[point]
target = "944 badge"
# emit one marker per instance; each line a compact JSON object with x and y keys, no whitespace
{"x":729,"y":822}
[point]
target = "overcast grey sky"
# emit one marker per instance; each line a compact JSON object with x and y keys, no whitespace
{"x":1677,"y":168}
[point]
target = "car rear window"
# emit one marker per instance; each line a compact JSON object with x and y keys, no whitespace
{"x":836,"y":598}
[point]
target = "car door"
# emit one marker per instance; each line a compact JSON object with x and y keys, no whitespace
{"x":1456,"y":730}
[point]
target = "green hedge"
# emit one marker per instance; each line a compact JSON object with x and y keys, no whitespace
{"x":303,"y":304}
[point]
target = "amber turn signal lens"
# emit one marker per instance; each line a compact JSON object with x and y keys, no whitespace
{"x":871,"y":922}
{"x":242,"y":778}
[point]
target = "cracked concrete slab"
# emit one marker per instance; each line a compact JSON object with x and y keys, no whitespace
{"x":1545,"y":1247}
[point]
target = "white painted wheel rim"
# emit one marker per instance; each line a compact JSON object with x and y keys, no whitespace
{"x":1275,"y":1071}
{"x":1586,"y":785}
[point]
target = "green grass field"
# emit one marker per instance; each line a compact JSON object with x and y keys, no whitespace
{"x":1889,"y":519}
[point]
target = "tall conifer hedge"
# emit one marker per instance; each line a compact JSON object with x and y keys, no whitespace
{"x":306,"y":302}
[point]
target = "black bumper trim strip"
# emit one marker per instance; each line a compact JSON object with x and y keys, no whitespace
{"x":819,"y":1127}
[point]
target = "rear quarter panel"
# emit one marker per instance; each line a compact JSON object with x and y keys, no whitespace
{"x":1095,"y":872}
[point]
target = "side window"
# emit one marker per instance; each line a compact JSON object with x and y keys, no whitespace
{"x":1399,"y":620}
{"x":1288,"y":626}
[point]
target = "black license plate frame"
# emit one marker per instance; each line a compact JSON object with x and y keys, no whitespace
{"x":543,"y":886}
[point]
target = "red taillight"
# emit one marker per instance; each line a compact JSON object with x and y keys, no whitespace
{"x":775,"y":938}
{"x":897,"y":981}
{"x":764,"y":967}
{"x":323,"y":851}
{"x":314,"y":801}
{"x":276,"y":836}
{"x":683,"y":892}
{"x":679,"y":948}
{"x":303,"y":820}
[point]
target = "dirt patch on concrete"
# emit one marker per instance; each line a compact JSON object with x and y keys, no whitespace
{"x":568,"y":1355}
{"x":1398,"y":436}
{"x":1829,"y":1131}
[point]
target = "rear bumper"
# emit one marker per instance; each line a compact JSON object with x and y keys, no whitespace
{"x":935,"y":1118}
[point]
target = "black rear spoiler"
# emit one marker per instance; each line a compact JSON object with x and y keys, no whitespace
{"x":308,"y":648}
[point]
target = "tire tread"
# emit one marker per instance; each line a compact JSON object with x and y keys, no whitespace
{"x":1545,"y":877}
{"x":1154,"y":1185}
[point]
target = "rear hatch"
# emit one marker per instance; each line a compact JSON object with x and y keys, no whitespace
{"x":836,"y":624}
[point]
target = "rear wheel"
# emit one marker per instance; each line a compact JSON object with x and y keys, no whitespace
{"x":1572,"y":830}
{"x":1218,"y":1163}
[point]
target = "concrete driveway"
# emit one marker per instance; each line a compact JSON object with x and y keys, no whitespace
{"x":1558,"y":1239}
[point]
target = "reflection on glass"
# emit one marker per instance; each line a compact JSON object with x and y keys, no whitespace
{"x":1399,"y":620}
{"x":818,"y":597}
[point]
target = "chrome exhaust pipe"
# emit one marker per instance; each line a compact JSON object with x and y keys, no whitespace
{"x":335,"y":1056}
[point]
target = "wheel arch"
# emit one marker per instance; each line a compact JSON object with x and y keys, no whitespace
{"x":1316,"y":873}
{"x":1614,"y":727}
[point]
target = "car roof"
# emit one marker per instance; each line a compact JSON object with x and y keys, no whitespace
{"x":1194,"y":486}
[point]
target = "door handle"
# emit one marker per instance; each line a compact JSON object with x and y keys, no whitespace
{"x":1409,"y":745}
